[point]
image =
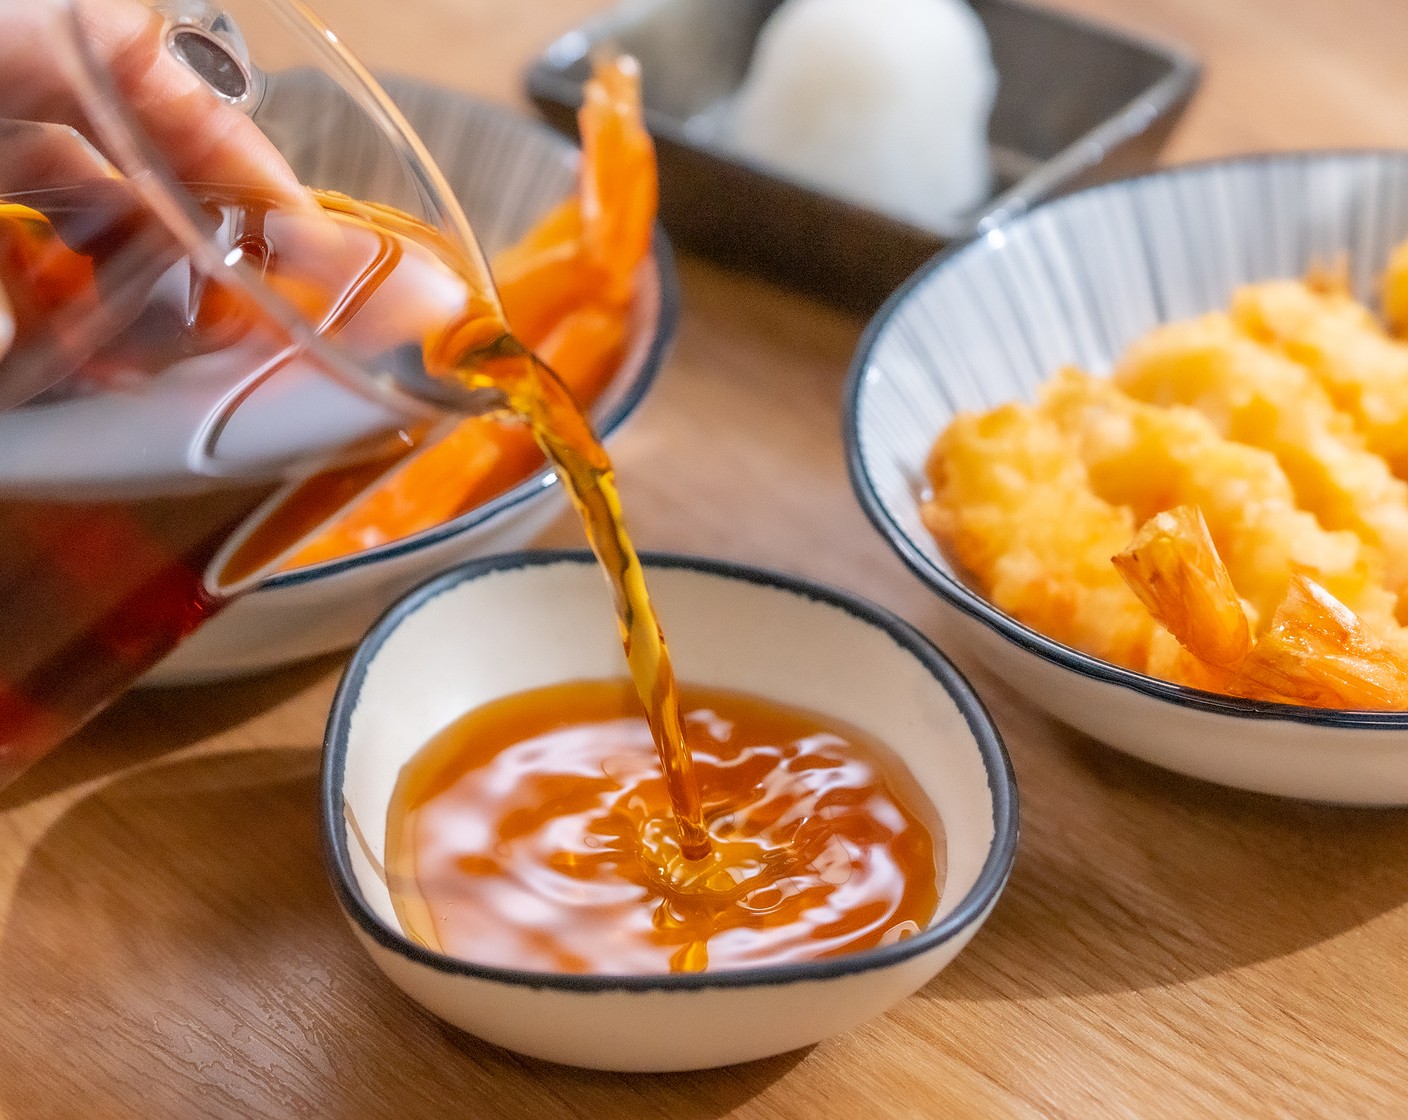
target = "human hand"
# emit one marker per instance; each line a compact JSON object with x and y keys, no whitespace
{"x":60,"y":61}
{"x":44,"y":46}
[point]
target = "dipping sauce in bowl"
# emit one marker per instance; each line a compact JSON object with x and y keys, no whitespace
{"x":800,"y":701}
{"x":533,"y":832}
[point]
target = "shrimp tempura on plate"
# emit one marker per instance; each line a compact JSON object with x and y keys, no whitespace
{"x":1012,"y":502}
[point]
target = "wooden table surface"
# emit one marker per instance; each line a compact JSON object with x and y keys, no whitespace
{"x":169,"y":946}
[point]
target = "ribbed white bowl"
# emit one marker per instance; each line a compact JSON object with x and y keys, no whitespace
{"x":1074,"y":282}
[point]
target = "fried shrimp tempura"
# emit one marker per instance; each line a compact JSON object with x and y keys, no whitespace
{"x":1396,"y":291}
{"x":1256,"y":395}
{"x":1263,"y":452}
{"x":1012,"y":503}
{"x":1315,"y":651}
{"x":1362,"y":369}
{"x":1152,"y":459}
{"x":1174,"y":568}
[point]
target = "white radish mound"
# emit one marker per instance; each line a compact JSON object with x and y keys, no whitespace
{"x":882,"y":102}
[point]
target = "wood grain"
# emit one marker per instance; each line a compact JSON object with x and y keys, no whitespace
{"x":169,"y":946}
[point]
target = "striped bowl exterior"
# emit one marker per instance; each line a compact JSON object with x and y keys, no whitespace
{"x":1073,"y":282}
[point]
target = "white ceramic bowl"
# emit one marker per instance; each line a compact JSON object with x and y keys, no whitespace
{"x":1073,"y":282}
{"x":504,"y":624}
{"x":507,"y":171}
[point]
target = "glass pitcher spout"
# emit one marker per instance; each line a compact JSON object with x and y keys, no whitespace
{"x":405,"y":366}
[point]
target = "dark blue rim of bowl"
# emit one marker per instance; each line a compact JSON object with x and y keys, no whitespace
{"x":974,"y":605}
{"x":662,"y":335}
{"x":982,"y":895}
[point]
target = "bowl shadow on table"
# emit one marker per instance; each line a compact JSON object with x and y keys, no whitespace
{"x":176,"y":929}
{"x":151,"y":722}
{"x":1131,"y":877}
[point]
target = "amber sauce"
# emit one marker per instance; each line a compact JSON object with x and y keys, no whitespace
{"x":754,"y":859}
{"x":533,"y":833}
{"x":478,"y":350}
{"x":711,"y":883}
{"x":75,"y":627}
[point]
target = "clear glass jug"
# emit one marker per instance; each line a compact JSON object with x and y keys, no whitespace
{"x":201,"y":358}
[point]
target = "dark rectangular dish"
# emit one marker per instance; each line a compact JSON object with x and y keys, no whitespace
{"x":1077,"y":103}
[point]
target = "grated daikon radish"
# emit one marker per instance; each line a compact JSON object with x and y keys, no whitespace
{"x":882,"y":102}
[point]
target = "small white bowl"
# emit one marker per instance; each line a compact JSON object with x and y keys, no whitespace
{"x":1074,"y":282}
{"x":504,"y":624}
{"x":506,"y":171}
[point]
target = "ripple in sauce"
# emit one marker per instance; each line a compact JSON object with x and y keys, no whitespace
{"x":535,"y":833}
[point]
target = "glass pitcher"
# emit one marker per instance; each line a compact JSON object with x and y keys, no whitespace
{"x":201,"y":358}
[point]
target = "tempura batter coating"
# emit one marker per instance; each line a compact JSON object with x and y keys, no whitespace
{"x":1012,"y":503}
{"x":1396,"y":291}
{"x":1258,"y":396}
{"x":1152,"y":459}
{"x":1263,"y":454}
{"x":1362,"y":369}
